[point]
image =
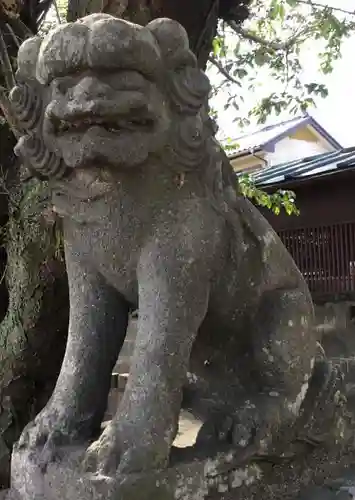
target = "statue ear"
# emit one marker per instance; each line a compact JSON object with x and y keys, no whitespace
{"x":188,"y":86}
{"x":170,"y":35}
{"x":173,"y":43}
{"x":27,"y":58}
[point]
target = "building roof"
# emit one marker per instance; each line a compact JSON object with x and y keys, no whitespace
{"x":268,"y":136}
{"x":307,"y":168}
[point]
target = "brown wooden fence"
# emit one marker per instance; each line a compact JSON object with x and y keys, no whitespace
{"x":325,"y":255}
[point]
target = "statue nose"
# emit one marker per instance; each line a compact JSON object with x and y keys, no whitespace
{"x":92,"y":96}
{"x":90,"y":88}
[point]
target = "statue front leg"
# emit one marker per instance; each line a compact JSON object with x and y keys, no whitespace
{"x":173,"y":300}
{"x":97,"y":328}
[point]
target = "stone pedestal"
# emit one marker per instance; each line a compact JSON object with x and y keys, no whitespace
{"x":196,"y":479}
{"x":317,"y":475}
{"x":314,"y":463}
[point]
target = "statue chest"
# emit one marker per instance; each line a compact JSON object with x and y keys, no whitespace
{"x":111,"y":239}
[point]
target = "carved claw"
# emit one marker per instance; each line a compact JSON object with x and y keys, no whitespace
{"x":112,"y":453}
{"x":46,"y":435}
{"x":104,"y":454}
{"x":34,"y":438}
{"x":248,"y":428}
{"x":228,"y":429}
{"x":34,"y":435}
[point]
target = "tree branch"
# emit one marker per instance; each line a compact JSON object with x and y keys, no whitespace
{"x":223,"y":70}
{"x":21,"y":30}
{"x":13,"y":35}
{"x":269,"y":44}
{"x":5,"y":107}
{"x":211,"y":15}
{"x":5,"y":64}
{"x":57,"y":11}
{"x":255,"y":38}
{"x":316,"y":4}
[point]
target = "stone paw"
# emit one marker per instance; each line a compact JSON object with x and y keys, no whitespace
{"x":50,"y":431}
{"x":116,"y":452}
{"x":226,"y":429}
{"x":250,"y":426}
{"x":45,"y":435}
{"x":104,"y":454}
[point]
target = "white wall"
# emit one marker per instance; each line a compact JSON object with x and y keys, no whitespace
{"x":293,"y":149}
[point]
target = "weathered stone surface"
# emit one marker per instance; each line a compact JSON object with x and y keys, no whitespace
{"x":220,"y":477}
{"x":153,"y":217}
{"x":316,"y":458}
{"x":191,"y":480}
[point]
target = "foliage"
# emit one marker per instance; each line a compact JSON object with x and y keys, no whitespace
{"x":56,"y":15}
{"x":281,"y":199}
{"x":275,"y":44}
{"x":271,"y":46}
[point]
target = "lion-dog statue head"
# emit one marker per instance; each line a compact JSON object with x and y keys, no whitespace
{"x":112,"y":93}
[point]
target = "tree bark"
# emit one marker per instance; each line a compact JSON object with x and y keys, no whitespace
{"x":33,"y":332}
{"x":34,"y":300}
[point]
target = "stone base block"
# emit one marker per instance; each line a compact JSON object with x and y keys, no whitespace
{"x":314,"y":476}
{"x":197,"y":479}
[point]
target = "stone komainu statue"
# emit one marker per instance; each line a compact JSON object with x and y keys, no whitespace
{"x":114,"y":115}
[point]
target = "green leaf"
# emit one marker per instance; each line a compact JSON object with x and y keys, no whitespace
{"x":273,"y":12}
{"x":216,"y":46}
{"x":281,"y":11}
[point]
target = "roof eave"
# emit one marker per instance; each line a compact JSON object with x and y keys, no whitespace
{"x":270,"y":144}
{"x":318,"y":127}
{"x":245,"y":152}
{"x":301,"y":180}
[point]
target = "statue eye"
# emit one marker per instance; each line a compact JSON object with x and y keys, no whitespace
{"x":125,"y":80}
{"x":62,"y":85}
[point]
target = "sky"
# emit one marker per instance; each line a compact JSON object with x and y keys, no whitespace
{"x":336,"y":113}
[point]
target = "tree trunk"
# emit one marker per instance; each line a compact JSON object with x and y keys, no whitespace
{"x":33,"y":332}
{"x":34,"y":298}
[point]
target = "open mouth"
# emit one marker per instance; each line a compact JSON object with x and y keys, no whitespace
{"x":113,"y":125}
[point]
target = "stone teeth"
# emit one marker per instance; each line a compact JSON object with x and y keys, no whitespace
{"x":109,"y":125}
